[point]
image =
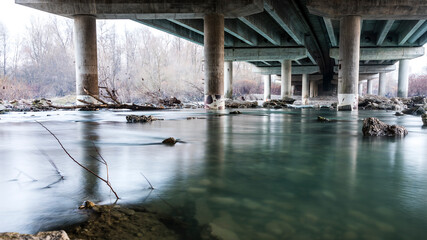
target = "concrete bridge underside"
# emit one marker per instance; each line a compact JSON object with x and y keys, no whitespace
{"x":282,"y":37}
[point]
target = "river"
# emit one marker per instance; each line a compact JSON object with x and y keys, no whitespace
{"x":263,"y":174}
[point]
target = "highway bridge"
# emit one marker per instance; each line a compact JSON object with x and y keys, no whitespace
{"x":333,"y":44}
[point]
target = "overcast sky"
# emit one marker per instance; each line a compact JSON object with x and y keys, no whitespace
{"x":15,"y":17}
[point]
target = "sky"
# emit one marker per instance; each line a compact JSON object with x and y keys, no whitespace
{"x":15,"y":18}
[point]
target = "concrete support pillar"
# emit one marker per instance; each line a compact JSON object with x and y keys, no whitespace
{"x":305,"y":94}
{"x":86,"y":58}
{"x":370,"y":86}
{"x":313,"y":89}
{"x":402,"y":82}
{"x":286,"y":87}
{"x":228,"y":79}
{"x":348,"y":74}
{"x":267,"y":87}
{"x":381,"y":84}
{"x":360,"y":89}
{"x":214,"y":61}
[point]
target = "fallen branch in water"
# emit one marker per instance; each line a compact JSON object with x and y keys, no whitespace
{"x":151,"y":186}
{"x":78,"y":163}
{"x":58,"y":172}
{"x":27,"y":175}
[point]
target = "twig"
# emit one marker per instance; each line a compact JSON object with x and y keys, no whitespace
{"x":27,"y":175}
{"x":97,"y":98}
{"x":151,"y":186}
{"x":78,"y":163}
{"x":103,"y":160}
{"x":110,"y":95}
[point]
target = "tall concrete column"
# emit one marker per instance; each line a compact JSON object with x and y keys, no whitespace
{"x":381,"y":84}
{"x":370,"y":86}
{"x":86,"y":57}
{"x":402,"y":82}
{"x":348,"y":74}
{"x":214,"y":61}
{"x":360,"y":89}
{"x":305,"y":94}
{"x":313,"y":88}
{"x":228,"y":79}
{"x":267,"y":87}
{"x":286,"y":87}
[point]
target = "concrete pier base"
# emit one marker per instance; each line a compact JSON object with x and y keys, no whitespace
{"x":402,"y":82}
{"x":286,"y":86}
{"x":214,"y":61}
{"x":267,"y":87}
{"x":86,"y":58}
{"x":382,"y":84}
{"x":305,"y":94}
{"x":228,"y":79}
{"x":349,"y":53}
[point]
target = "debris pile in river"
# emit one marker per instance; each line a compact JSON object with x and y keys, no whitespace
{"x":279,"y":103}
{"x":240,"y":104}
{"x":414,"y":105}
{"x":140,"y":119}
{"x":374,"y":127}
{"x":171,"y":102}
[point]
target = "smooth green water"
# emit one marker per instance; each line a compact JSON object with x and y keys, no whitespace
{"x":265,"y":174}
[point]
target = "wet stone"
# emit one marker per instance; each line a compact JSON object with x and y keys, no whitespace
{"x":140,"y":119}
{"x":374,"y":127}
{"x":170,"y":141}
{"x":424,"y":119}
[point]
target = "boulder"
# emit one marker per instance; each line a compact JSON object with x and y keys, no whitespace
{"x":170,"y":141}
{"x":399,"y":114}
{"x":140,"y":119}
{"x":415,"y":111}
{"x":52,"y":235}
{"x":235,"y":112}
{"x":424,"y":119}
{"x":374,"y":127}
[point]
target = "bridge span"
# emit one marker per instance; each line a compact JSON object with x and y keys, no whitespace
{"x":331,"y":43}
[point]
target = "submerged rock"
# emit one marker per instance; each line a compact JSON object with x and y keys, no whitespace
{"x":322,"y":119}
{"x":424,"y":119}
{"x":140,"y":119}
{"x":399,"y":114}
{"x":53,"y":235}
{"x":87,"y":205}
{"x":374,"y":127}
{"x":170,"y":141}
{"x":235,"y":112}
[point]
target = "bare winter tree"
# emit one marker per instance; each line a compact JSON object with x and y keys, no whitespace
{"x":3,"y":48}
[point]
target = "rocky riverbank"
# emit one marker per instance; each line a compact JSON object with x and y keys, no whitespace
{"x":117,"y":222}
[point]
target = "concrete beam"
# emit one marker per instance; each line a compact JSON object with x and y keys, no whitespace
{"x":265,"y":54}
{"x":281,"y":12}
{"x":241,"y":31}
{"x":146,"y":9}
{"x":257,"y":23}
{"x":296,"y":70}
{"x":373,"y":69}
{"x":409,"y":30}
{"x":196,"y":25}
{"x":330,"y":30}
{"x":384,"y":31}
{"x":393,"y":53}
{"x":370,"y":9}
{"x":421,"y":31}
{"x":423,"y":39}
{"x":171,"y":28}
